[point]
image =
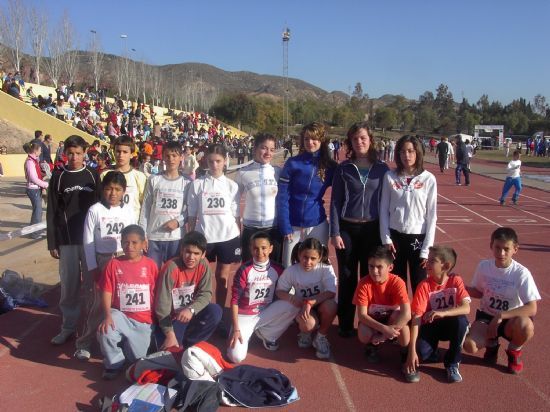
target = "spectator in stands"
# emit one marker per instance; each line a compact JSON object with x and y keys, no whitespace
{"x":32,"y":96}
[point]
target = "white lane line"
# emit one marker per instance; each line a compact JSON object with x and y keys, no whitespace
{"x":470,"y":210}
{"x":531,"y":386}
{"x":534,"y":198}
{"x":519,"y":209}
{"x":342,"y":386}
{"x":441,"y":230}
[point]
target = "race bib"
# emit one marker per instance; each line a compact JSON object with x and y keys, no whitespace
{"x":308,"y":292}
{"x":495,"y":303}
{"x":110,"y":228}
{"x":168,"y":203}
{"x":214,"y":203}
{"x":130,"y":195}
{"x":182,"y":296}
{"x":443,"y":299}
{"x":260,"y":293}
{"x":381,"y":311}
{"x":135,"y":298}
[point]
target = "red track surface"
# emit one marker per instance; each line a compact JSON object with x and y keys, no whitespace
{"x":36,"y":376}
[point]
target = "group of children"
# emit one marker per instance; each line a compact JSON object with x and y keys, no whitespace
{"x":153,"y":280}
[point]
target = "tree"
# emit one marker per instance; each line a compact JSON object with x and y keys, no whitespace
{"x":539,"y":103}
{"x":70,"y":54}
{"x":12,"y":28}
{"x":96,"y":59}
{"x":357,"y":91}
{"x":38,"y":27}
{"x":54,"y":64}
{"x":385,"y":117}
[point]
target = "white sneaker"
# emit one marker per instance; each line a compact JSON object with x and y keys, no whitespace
{"x":61,"y":337}
{"x":82,"y":354}
{"x":304,"y":340}
{"x":323,"y":347}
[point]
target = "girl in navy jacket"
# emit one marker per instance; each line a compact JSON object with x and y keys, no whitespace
{"x":354,"y":213}
{"x":302,"y":185}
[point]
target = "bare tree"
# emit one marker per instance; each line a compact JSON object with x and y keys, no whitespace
{"x":70,"y":55}
{"x":119,"y":74}
{"x":38,"y":28}
{"x":96,"y":59}
{"x":143,"y":69}
{"x":54,"y":64}
{"x":12,"y":26}
{"x":156,"y":84}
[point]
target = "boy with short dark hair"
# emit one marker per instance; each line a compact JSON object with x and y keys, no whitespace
{"x":162,"y":213}
{"x":128,"y":292}
{"x":72,"y":190}
{"x":383,"y":306}
{"x":124,"y":148}
{"x":184,"y":291}
{"x":439,"y":310}
{"x":509,"y":298}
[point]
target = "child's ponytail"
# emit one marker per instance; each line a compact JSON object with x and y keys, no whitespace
{"x":324,"y":255}
{"x":295,"y":252}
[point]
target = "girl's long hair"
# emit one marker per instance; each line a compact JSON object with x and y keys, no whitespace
{"x":317,"y":131}
{"x":418,"y":148}
{"x":310,"y":244}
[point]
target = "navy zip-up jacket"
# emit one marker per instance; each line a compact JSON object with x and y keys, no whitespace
{"x":301,"y":190}
{"x":353,"y":199}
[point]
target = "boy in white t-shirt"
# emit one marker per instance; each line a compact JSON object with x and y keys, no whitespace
{"x":513,"y":178}
{"x":509,"y":298}
{"x":124,"y":146}
{"x":162,"y":213}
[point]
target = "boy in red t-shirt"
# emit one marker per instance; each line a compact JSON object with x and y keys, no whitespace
{"x":383,"y":306}
{"x":127,"y":290}
{"x":439,"y":308}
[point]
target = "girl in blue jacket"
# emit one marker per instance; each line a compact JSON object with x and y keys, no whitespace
{"x":302,"y":185}
{"x":354,"y":217}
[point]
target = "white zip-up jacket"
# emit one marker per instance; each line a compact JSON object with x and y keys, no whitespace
{"x":409,"y":208}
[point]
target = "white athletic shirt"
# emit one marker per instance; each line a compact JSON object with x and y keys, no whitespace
{"x":102,"y":230}
{"x":308,"y":284}
{"x":164,"y":200}
{"x":215,"y":204}
{"x":409,"y":208}
{"x":513,"y":169}
{"x":135,"y":186}
{"x":258,"y":183}
{"x":504,"y":288}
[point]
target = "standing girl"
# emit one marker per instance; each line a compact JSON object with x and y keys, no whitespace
{"x":408,"y":211}
{"x":35,"y":182}
{"x":302,"y":185}
{"x":213,"y":210}
{"x":102,"y":241}
{"x":258,"y":183}
{"x":306,"y":292}
{"x":354,"y":217}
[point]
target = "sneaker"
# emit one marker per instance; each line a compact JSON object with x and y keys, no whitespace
{"x":411,"y":377}
{"x":502,"y":202}
{"x":82,"y":354}
{"x":110,"y":374}
{"x":304,"y":340}
{"x":515,"y":202}
{"x":515,"y":364}
{"x":271,"y":345}
{"x":371,"y":352}
{"x":459,"y":184}
{"x":61,"y":337}
{"x":453,"y":375}
{"x":323,"y":347}
{"x":491,"y":354}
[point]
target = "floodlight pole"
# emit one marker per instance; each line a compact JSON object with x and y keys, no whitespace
{"x":286,"y":120}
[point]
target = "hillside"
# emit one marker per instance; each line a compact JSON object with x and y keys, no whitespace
{"x":211,"y":77}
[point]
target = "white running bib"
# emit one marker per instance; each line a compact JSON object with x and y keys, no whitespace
{"x":215,"y":203}
{"x":182,"y":296}
{"x":135,"y":298}
{"x":168,"y":203}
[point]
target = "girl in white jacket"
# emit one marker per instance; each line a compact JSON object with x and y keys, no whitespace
{"x":408,"y":210}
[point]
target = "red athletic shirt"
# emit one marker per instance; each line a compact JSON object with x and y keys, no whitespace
{"x":132,"y":285}
{"x":430,"y":295}
{"x":381,"y":298}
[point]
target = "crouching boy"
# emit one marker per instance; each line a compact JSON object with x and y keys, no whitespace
{"x":439,"y":308}
{"x":508,"y":302}
{"x":127,"y":290}
{"x":184,"y":292}
{"x":383,"y":307}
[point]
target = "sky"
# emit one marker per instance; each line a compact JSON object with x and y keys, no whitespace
{"x":496,"y":47}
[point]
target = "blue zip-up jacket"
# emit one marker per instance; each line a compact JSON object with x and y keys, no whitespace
{"x":301,"y":191}
{"x":353,"y":199}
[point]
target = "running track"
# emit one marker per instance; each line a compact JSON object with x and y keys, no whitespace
{"x":33,"y":374}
